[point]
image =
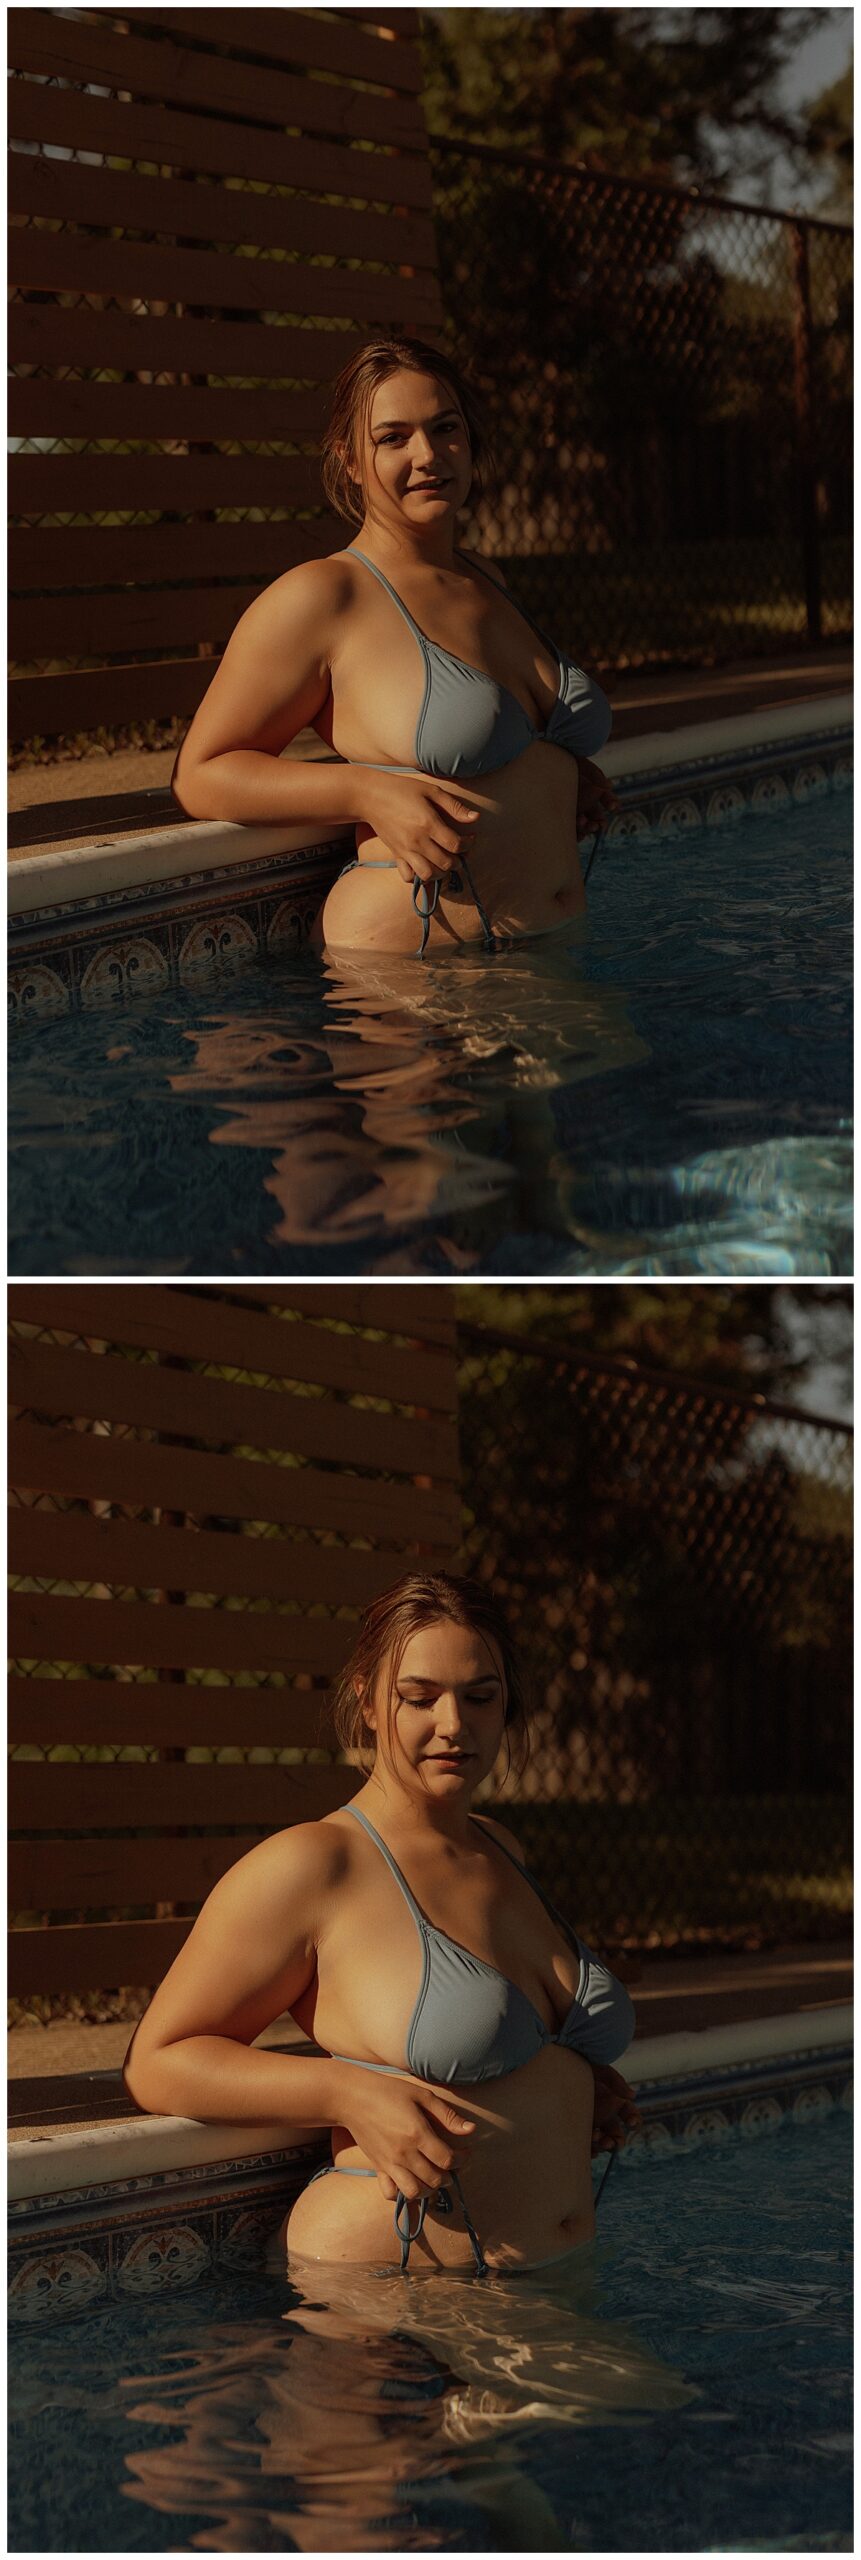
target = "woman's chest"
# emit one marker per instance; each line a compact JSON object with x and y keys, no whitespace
{"x":497,"y":1960}
{"x":476,"y":675}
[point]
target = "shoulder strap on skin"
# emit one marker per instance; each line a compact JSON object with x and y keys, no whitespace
{"x":391,"y":1862}
{"x":565,"y":1925}
{"x":391,"y":591}
{"x":476,"y":563}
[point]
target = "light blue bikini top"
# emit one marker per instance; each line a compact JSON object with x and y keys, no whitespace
{"x":470,"y":724}
{"x":471,"y":2023}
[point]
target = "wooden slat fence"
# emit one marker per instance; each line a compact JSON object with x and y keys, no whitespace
{"x":210,"y":210}
{"x":208,"y":1485}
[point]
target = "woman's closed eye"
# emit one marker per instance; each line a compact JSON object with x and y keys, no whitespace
{"x":484,"y":1697}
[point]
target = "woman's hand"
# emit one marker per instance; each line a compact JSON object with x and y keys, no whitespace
{"x":616,"y":2112}
{"x":421,"y":821}
{"x":410,"y":2140}
{"x":596,"y":798}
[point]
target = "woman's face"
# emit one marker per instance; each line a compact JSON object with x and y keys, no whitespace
{"x":416,"y":460}
{"x":443,"y":1725}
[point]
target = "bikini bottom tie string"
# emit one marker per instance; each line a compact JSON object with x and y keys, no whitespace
{"x":442,"y":2205}
{"x":426,"y":905}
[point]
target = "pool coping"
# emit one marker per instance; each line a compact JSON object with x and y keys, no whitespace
{"x":51,"y":2164}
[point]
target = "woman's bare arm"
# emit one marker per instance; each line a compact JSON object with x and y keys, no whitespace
{"x":273,"y":680}
{"x":250,"y":1956}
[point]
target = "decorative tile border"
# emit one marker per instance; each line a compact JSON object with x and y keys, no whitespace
{"x":718,"y":790}
{"x":151,"y":938}
{"x":147,"y":940}
{"x":748,"y":2099}
{"x":163,"y":2233}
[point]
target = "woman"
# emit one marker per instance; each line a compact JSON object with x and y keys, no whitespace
{"x":407,"y":1939}
{"x":412,"y":661}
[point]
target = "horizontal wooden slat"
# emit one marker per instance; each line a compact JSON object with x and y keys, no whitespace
{"x":425,"y":1314}
{"x":100,"y":1388}
{"x":199,"y":1325}
{"x":119,"y":198}
{"x":53,"y":706}
{"x":148,"y":343}
{"x":102,"y":1957}
{"x":93,"y":54}
{"x":66,"y":262}
{"x":60,"y":626}
{"x":330,"y":44}
{"x":403,"y":22}
{"x":94,"y":1875}
{"x":91,"y":483}
{"x":177,"y":1712}
{"x":51,"y":1629}
{"x":134,"y":130}
{"x":98,"y":1795}
{"x":90,"y":555}
{"x":98,"y":1467}
{"x":97,"y":1388}
{"x":64,"y":1546}
{"x":164,"y":412}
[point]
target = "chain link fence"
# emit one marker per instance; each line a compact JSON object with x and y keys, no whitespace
{"x":677,"y":1564}
{"x":668,"y":381}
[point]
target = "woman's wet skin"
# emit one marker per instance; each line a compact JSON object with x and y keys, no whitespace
{"x":522,"y":849}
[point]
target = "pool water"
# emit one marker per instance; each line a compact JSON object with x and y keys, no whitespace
{"x":664,"y":1089}
{"x":684,"y":2385}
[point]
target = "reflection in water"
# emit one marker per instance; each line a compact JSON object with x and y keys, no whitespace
{"x":422,"y":1096}
{"x":380,"y":2412}
{"x":663,"y":1090}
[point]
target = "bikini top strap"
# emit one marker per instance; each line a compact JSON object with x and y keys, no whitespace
{"x":559,"y":1916}
{"x":418,"y":1916}
{"x":473,"y":561}
{"x":391,"y":591}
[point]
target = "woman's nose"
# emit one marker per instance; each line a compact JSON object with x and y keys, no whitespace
{"x":422,"y":448}
{"x":451,"y":1720}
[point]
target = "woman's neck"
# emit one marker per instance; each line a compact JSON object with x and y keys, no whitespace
{"x":409,"y":548}
{"x":398,"y":1810}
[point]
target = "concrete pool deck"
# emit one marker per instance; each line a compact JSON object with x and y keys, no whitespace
{"x":67,"y":2074}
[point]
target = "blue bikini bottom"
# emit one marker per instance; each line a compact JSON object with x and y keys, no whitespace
{"x":426,"y":906}
{"x":442,"y":2204}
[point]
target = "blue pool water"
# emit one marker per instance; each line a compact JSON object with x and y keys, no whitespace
{"x":686,"y":2387}
{"x":664,"y":1090}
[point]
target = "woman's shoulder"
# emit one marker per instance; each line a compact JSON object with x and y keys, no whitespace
{"x":307,"y":1857}
{"x":313,"y":591}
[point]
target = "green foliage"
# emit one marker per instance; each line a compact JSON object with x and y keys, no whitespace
{"x":830,"y":142}
{"x":645,"y":92}
{"x":743,"y":1337}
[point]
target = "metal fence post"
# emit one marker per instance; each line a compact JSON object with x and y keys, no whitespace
{"x":806,"y":427}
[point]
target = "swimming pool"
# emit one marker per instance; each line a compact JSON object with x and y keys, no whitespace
{"x":687,"y":2386}
{"x":664,"y":1090}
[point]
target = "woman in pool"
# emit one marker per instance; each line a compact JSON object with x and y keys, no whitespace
{"x":409,"y":658}
{"x":405,"y":1936}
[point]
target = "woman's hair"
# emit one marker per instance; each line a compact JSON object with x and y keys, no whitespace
{"x":421,"y":1600}
{"x":351,"y":398}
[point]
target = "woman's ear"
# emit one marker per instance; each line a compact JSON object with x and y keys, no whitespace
{"x":363,"y":1701}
